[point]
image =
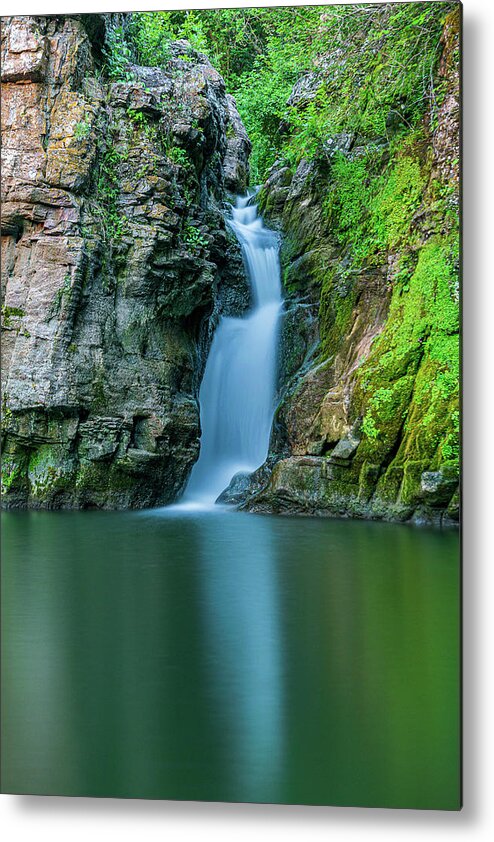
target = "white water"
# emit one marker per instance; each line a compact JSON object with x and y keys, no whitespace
{"x":238,"y":389}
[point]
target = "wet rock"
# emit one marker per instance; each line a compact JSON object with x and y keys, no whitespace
{"x":339,"y":143}
{"x":453,"y":510}
{"x":345,"y":450}
{"x":437,"y":487}
{"x":237,"y":491}
{"x":299,"y":338}
{"x":275,"y":191}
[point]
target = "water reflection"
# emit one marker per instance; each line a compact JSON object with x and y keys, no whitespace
{"x":223,"y":656}
{"x":241,"y":616}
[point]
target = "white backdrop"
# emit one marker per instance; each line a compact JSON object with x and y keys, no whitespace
{"x":58,"y":819}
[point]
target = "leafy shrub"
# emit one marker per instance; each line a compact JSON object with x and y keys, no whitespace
{"x":118,"y":55}
{"x":194,"y":237}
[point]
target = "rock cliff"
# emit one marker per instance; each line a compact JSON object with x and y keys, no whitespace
{"x":116,"y":263}
{"x":367,"y":424}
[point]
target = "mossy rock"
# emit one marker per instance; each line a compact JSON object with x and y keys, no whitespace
{"x":49,"y":471}
{"x":411,"y":489}
{"x":368,"y":478}
{"x":389,"y":484}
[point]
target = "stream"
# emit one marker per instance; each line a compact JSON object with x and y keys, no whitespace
{"x":237,"y":395}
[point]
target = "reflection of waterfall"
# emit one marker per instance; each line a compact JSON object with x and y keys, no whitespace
{"x":238,"y":389}
{"x":242,"y":633}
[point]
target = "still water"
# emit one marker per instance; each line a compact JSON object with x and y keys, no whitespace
{"x":225,"y":656}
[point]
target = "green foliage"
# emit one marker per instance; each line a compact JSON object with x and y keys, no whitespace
{"x":82,"y":130}
{"x":138,"y":118}
{"x":258,"y":51}
{"x":390,"y":52}
{"x":194,"y":237}
{"x":231,"y":38}
{"x":290,"y":45}
{"x":179,"y":156}
{"x":108,"y":190}
{"x":151,"y":36}
{"x":375,"y":66}
{"x":369,"y":212}
{"x":261,"y":101}
{"x":383,"y":83}
{"x":118,"y":55}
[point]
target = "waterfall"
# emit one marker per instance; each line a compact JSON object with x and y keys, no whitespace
{"x":237,"y":394}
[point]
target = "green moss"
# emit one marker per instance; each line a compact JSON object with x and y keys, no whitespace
{"x":99,"y":397}
{"x":411,"y":376}
{"x":9,"y":313}
{"x":48,"y":471}
{"x":389,"y":484}
{"x":397,"y":198}
{"x":386,"y":409}
{"x":99,"y":479}
{"x":368,"y":477}
{"x":337,"y":301}
{"x":412,"y":475}
{"x":370,"y":210}
{"x":13,"y":473}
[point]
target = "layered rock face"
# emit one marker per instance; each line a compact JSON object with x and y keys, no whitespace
{"x":367,"y":424}
{"x":116,"y":263}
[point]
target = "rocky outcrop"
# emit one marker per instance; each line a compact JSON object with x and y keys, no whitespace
{"x":235,"y":162}
{"x":116,"y":263}
{"x":367,"y":424}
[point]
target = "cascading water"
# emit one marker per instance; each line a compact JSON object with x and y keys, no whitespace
{"x":238,"y":388}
